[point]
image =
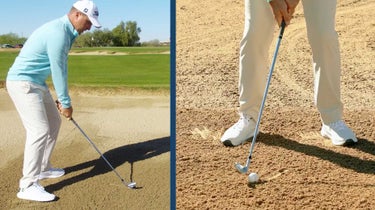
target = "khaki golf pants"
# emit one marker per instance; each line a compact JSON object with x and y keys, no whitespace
{"x":323,"y":39}
{"x":41,"y":120}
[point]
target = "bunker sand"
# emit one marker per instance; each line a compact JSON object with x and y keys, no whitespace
{"x":132,"y":131}
{"x":298,"y":168}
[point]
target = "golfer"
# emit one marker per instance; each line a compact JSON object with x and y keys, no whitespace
{"x":260,"y":16}
{"x":45,"y":53}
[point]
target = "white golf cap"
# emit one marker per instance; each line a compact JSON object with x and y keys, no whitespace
{"x":88,"y":8}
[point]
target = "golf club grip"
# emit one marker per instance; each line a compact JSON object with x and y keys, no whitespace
{"x":57,"y":103}
{"x":283,"y":25}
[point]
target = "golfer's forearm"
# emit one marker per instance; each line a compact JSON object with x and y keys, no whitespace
{"x":58,"y":47}
{"x":59,"y":79}
{"x":60,"y":82}
{"x":61,"y":88}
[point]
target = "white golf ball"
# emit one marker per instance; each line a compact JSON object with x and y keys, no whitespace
{"x":253,"y":178}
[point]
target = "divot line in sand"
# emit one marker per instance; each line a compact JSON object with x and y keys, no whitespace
{"x":278,"y":174}
{"x":205,"y":134}
{"x":315,"y":137}
{"x":310,"y":135}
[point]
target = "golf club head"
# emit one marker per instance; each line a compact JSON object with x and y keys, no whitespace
{"x":240,"y":168}
{"x":132,"y":185}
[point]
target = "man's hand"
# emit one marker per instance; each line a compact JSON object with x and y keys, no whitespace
{"x":66,"y":112}
{"x":283,"y":10}
{"x":292,"y":4}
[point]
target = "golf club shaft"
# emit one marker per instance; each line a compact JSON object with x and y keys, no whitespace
{"x":93,"y":145}
{"x":265,"y":93}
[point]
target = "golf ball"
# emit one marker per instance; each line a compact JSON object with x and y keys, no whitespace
{"x":253,"y":178}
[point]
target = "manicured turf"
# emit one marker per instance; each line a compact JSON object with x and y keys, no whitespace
{"x":145,"y":71}
{"x":141,"y":67}
{"x":6,"y":60}
{"x":128,"y":50}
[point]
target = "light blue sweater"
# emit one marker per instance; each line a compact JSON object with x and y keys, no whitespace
{"x":45,"y":53}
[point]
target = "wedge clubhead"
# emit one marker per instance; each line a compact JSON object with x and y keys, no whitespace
{"x":131,"y":185}
{"x":240,"y":168}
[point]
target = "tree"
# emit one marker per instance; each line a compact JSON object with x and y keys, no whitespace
{"x":126,"y":34}
{"x":119,"y":35}
{"x":98,"y":38}
{"x":154,"y":42}
{"x":84,"y":40}
{"x":102,"y":38}
{"x":132,"y":33}
{"x":12,"y":38}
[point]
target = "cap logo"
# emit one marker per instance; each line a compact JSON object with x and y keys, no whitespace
{"x":85,"y":10}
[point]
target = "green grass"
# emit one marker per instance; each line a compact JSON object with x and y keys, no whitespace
{"x":136,"y":71}
{"x":141,"y":67}
{"x":127,"y":50}
{"x":6,"y":61}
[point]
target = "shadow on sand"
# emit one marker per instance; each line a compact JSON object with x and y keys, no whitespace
{"x":342,"y":160}
{"x":116,"y":157}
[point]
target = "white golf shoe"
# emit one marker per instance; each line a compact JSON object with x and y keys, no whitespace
{"x":35,"y":192}
{"x":241,"y":131}
{"x":51,"y":173}
{"x":339,"y":133}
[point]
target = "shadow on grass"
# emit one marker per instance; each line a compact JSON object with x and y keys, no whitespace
{"x":342,"y":160}
{"x":116,"y":157}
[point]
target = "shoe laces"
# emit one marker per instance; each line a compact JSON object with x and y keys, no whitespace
{"x":244,"y":119}
{"x":37,"y":185}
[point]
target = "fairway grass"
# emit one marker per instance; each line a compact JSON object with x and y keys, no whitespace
{"x":146,"y":68}
{"x":142,"y":71}
{"x":126,"y":50}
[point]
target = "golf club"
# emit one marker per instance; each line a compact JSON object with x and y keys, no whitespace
{"x":131,"y":185}
{"x":240,"y":168}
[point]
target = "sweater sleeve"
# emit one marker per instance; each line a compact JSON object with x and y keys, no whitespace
{"x":58,"y":45}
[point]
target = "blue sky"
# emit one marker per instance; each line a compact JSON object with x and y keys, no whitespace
{"x":152,"y":16}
